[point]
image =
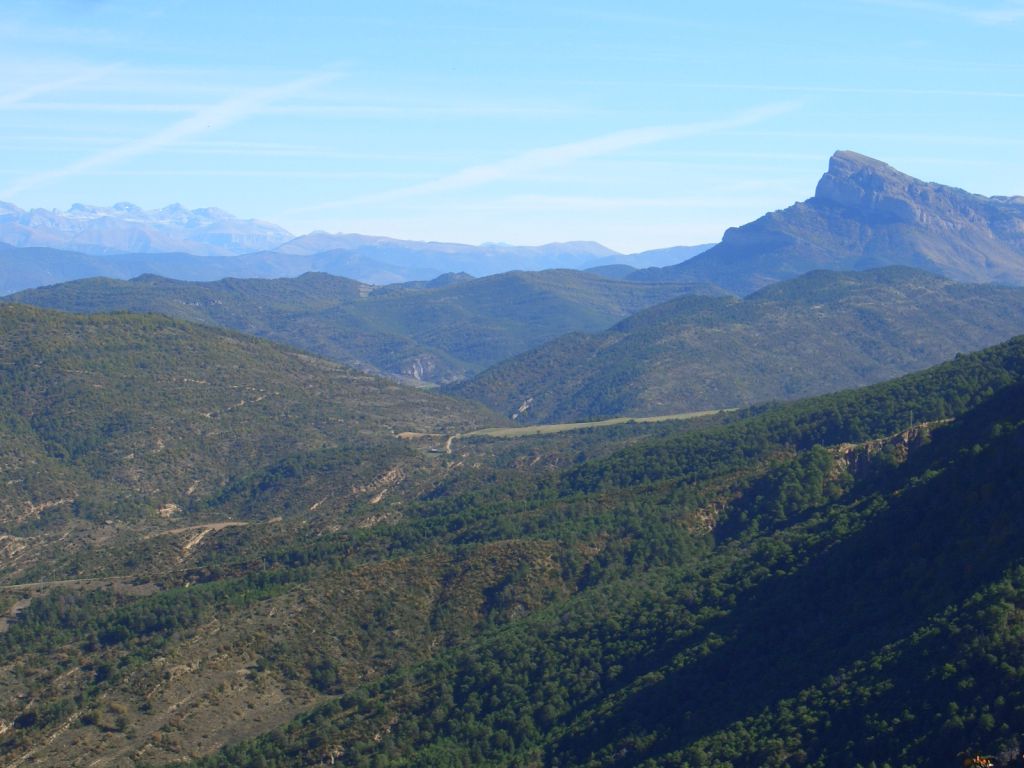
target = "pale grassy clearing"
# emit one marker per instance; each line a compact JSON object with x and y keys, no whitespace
{"x":550,"y":429}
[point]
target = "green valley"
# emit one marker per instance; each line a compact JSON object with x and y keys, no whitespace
{"x":434,"y":331}
{"x":833,"y":579}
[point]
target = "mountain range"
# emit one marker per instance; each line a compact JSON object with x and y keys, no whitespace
{"x":452,"y":327}
{"x":43,"y":247}
{"x":864,"y":214}
{"x":382,"y":260}
{"x":127,"y":228}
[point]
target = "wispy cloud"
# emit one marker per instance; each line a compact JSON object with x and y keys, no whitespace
{"x":13,"y":32}
{"x":1003,"y":13}
{"x":222,"y":148}
{"x":402,"y":111}
{"x":96,"y":107}
{"x":587,"y":12}
{"x":545,"y":158}
{"x":12,"y":98}
{"x":867,"y":91}
{"x":220,"y":173}
{"x":584,"y":203}
{"x":204,"y":120}
{"x":858,"y":137}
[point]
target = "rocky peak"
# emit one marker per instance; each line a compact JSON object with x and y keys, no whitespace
{"x":81,"y":209}
{"x":847,"y":162}
{"x":866,"y":214}
{"x":857,"y":181}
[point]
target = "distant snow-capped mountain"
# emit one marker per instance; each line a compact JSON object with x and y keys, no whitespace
{"x":127,"y":228}
{"x":43,"y":247}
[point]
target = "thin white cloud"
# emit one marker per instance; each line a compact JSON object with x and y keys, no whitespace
{"x":12,"y":32}
{"x":259,"y":174}
{"x":545,"y":158}
{"x":782,"y":88}
{"x":96,"y":107}
{"x":204,"y":120}
{"x":16,"y":97}
{"x":1003,"y":13}
{"x":424,"y":111}
{"x":585,"y":203}
{"x":222,"y":148}
{"x":585,"y":12}
{"x":859,"y":137}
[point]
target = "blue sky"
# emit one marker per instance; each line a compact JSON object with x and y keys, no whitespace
{"x":639,"y":125}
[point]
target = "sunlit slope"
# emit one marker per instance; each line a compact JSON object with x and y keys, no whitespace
{"x":796,"y":587}
{"x":433,"y":331}
{"x":820,"y":332}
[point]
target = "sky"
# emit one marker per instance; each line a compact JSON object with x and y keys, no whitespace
{"x":639,"y":125}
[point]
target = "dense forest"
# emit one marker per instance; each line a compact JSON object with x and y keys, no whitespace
{"x":828,"y":582}
{"x":848,"y":600}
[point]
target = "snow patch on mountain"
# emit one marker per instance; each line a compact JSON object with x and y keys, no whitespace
{"x":127,"y":228}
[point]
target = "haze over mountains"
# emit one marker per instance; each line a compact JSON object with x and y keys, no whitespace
{"x":864,"y":214}
{"x":382,"y":260}
{"x":126,"y":228}
{"x":42,"y":247}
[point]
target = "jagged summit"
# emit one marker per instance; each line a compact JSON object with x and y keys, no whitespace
{"x":853,"y":179}
{"x":126,"y":228}
{"x":846,"y":161}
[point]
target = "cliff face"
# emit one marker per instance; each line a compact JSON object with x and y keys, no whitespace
{"x":864,"y":187}
{"x":870,"y":187}
{"x":866,"y":214}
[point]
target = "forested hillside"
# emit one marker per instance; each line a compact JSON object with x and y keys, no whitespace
{"x":434,"y":331}
{"x":826,"y":581}
{"x":820,"y":332}
{"x":779,"y":591}
{"x":135,"y":419}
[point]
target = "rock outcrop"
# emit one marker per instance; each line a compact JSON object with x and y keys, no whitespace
{"x":866,"y":214}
